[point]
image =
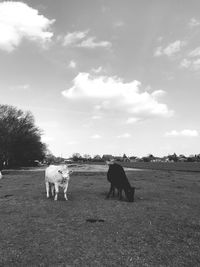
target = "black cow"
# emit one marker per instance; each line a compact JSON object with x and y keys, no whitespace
{"x":118,"y":179}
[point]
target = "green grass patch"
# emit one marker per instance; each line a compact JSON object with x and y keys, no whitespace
{"x":161,"y":228}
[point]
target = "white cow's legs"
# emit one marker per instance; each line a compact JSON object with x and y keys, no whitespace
{"x":56,"y":191}
{"x":47,"y":189}
{"x":65,"y":191}
{"x":52,"y":190}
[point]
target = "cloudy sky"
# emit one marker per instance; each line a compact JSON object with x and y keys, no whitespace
{"x":105,"y":77}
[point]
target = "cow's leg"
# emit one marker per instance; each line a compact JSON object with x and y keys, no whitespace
{"x":120,"y":194}
{"x":65,"y":191}
{"x":118,"y":190}
{"x":56,"y":191}
{"x":47,"y":189}
{"x":113,"y":192}
{"x":110,"y":191}
{"x":52,"y":190}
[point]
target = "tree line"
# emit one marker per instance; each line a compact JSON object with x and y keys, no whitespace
{"x":21,"y":145}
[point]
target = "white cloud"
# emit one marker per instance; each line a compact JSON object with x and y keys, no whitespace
{"x":196,"y":64}
{"x":159,"y":39}
{"x":125,"y":135}
{"x":194,"y":22}
{"x":22,"y":87}
{"x":96,"y":117}
{"x":185,"y":63}
{"x":72,"y":64}
{"x":169,"y":50}
{"x":118,"y":24}
{"x":81,"y":39}
{"x":91,"y":43}
{"x":132,"y":120}
{"x":74,"y":37}
{"x":158,"y":51}
{"x":195,"y":52}
{"x":97,"y":70}
{"x":186,"y":133}
{"x":18,"y":21}
{"x":111,"y":93}
{"x":192,"y":61}
{"x":191,"y":64}
{"x":96,"y":136}
{"x":158,"y":93}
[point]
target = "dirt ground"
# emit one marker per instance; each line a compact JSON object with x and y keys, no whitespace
{"x":161,"y":228}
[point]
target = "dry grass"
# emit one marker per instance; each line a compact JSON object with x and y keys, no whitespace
{"x":161,"y":228}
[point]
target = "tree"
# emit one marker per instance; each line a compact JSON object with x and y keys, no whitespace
{"x":173,"y":157}
{"x":86,"y":157}
{"x":20,"y":139}
{"x":97,"y":158}
{"x":76,"y":157}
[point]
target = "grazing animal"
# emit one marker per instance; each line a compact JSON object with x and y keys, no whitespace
{"x":55,"y":177}
{"x":1,"y":176}
{"x":118,"y":179}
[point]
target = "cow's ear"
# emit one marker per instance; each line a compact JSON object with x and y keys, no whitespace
{"x":60,"y":171}
{"x":70,"y":172}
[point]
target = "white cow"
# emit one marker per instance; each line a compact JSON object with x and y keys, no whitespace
{"x":55,"y":177}
{"x":1,"y":176}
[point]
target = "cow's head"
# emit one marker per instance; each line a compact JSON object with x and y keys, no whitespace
{"x":65,"y":173}
{"x":130,"y":192}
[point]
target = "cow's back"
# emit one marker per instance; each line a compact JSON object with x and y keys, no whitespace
{"x":52,"y":175}
{"x":117,"y":176}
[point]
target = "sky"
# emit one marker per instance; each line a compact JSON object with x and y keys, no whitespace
{"x":105,"y":77}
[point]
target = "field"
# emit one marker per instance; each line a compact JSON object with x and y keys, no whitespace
{"x":161,"y":228}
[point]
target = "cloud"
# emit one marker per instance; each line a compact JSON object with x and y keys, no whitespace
{"x":74,"y":37}
{"x":196,"y":64}
{"x":132,"y":120}
{"x":72,"y":64}
{"x":118,"y":24}
{"x":97,"y":70}
{"x":18,"y":21}
{"x":96,"y":117}
{"x":81,"y":39}
{"x":96,"y":136}
{"x":194,"y":22}
{"x":22,"y":87}
{"x":186,"y":133}
{"x":192,"y":62}
{"x":125,"y":135}
{"x":185,"y":63}
{"x":91,"y":43}
{"x":195,"y":52}
{"x":158,"y":93}
{"x":111,"y":93}
{"x":169,"y":50}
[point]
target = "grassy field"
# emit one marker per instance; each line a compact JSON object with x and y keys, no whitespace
{"x":161,"y":228}
{"x":175,"y":166}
